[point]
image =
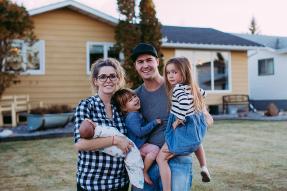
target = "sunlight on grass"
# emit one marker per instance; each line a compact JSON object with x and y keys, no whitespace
{"x":245,"y":156}
{"x":242,"y":155}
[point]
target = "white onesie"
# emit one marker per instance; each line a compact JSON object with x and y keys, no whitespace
{"x":133,"y":160}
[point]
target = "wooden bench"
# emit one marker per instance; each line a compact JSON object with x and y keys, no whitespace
{"x":14,"y":104}
{"x":238,"y":99}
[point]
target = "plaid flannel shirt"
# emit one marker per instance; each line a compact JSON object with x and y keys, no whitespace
{"x":97,"y":170}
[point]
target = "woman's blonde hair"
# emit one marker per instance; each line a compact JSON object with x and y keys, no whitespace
{"x":96,"y":66}
{"x":185,"y":69}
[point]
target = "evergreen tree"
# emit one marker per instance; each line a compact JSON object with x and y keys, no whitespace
{"x":127,"y":36}
{"x":150,"y":26}
{"x":15,"y":24}
{"x":129,"y":32}
{"x":253,"y":28}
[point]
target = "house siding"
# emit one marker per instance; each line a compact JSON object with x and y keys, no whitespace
{"x":168,"y":53}
{"x":239,"y":79}
{"x":239,"y":75}
{"x":66,"y":33}
{"x":270,"y":88}
{"x":263,"y":87}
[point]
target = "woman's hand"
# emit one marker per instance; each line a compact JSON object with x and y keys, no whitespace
{"x":123,"y":143}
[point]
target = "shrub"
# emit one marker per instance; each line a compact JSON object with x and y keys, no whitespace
{"x":52,"y":109}
{"x":271,"y":110}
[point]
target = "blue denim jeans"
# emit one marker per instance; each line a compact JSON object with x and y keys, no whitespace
{"x":187,"y":137}
{"x":181,"y":175}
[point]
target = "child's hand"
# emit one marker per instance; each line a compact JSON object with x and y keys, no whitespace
{"x":177,"y":122}
{"x":158,"y":121}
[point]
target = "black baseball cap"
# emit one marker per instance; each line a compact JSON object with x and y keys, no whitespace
{"x":143,"y":48}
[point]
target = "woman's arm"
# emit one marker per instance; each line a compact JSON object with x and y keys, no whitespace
{"x":93,"y":144}
{"x":82,"y":112}
{"x":98,"y":143}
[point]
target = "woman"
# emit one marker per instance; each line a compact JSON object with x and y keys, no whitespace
{"x":97,"y":170}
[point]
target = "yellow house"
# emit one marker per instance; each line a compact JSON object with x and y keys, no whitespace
{"x":72,"y":35}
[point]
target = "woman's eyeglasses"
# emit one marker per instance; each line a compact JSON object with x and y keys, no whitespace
{"x":104,"y":77}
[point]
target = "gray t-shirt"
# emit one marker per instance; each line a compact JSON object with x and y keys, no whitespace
{"x":154,"y":104}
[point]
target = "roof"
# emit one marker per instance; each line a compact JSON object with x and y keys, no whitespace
{"x":79,"y":7}
{"x":275,"y":42}
{"x":194,"y":37}
{"x":174,"y":36}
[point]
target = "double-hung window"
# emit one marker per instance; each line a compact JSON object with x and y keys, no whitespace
{"x":96,"y":50}
{"x":26,"y":58}
{"x":266,"y":67}
{"x":212,"y":68}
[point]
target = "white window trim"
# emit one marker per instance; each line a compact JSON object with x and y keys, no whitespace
{"x":229,"y":77}
{"x":190,"y":54}
{"x":229,"y":90}
{"x":41,"y":71}
{"x":106,"y":45}
{"x":258,"y":67}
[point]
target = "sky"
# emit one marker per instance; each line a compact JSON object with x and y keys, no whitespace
{"x":224,"y":15}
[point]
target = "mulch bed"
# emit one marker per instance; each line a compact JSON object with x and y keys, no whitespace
{"x":22,"y":132}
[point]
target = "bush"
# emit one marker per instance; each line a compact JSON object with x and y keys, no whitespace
{"x":272,"y":110}
{"x":52,"y":109}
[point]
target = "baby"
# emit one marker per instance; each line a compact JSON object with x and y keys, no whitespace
{"x":133,"y":161}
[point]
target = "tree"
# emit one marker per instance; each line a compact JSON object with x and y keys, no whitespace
{"x":127,"y":35}
{"x":253,"y":28}
{"x":149,"y":24}
{"x":15,"y":23}
{"x":132,"y":30}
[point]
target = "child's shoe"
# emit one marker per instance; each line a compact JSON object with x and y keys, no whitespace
{"x":205,"y":174}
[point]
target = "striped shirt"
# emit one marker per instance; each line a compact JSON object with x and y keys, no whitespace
{"x":182,"y":101}
{"x":97,"y":170}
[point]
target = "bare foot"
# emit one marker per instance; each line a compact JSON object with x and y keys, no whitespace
{"x":147,"y":179}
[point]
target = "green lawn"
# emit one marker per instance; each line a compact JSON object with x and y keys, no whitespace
{"x":242,"y":155}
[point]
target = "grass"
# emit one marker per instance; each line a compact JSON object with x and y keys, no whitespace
{"x":242,"y":155}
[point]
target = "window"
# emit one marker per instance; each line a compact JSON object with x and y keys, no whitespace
{"x":25,"y":58}
{"x":266,"y":67}
{"x":97,"y":50}
{"x":202,"y":62}
{"x":212,"y":69}
{"x":220,"y":71}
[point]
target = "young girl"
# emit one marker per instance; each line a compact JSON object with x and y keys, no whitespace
{"x":186,"y":124}
{"x":129,"y":103}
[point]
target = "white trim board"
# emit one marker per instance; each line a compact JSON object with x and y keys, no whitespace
{"x":77,"y":7}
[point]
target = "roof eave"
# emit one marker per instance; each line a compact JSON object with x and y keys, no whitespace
{"x":77,"y":7}
{"x":209,"y":46}
{"x":282,"y":51}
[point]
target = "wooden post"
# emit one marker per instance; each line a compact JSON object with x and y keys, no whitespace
{"x":13,"y":115}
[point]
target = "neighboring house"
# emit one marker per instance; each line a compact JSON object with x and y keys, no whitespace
{"x":73,"y":35}
{"x":267,"y":71}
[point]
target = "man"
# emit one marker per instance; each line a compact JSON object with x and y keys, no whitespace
{"x":154,"y":104}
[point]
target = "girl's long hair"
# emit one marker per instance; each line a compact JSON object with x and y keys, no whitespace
{"x":185,"y":69}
